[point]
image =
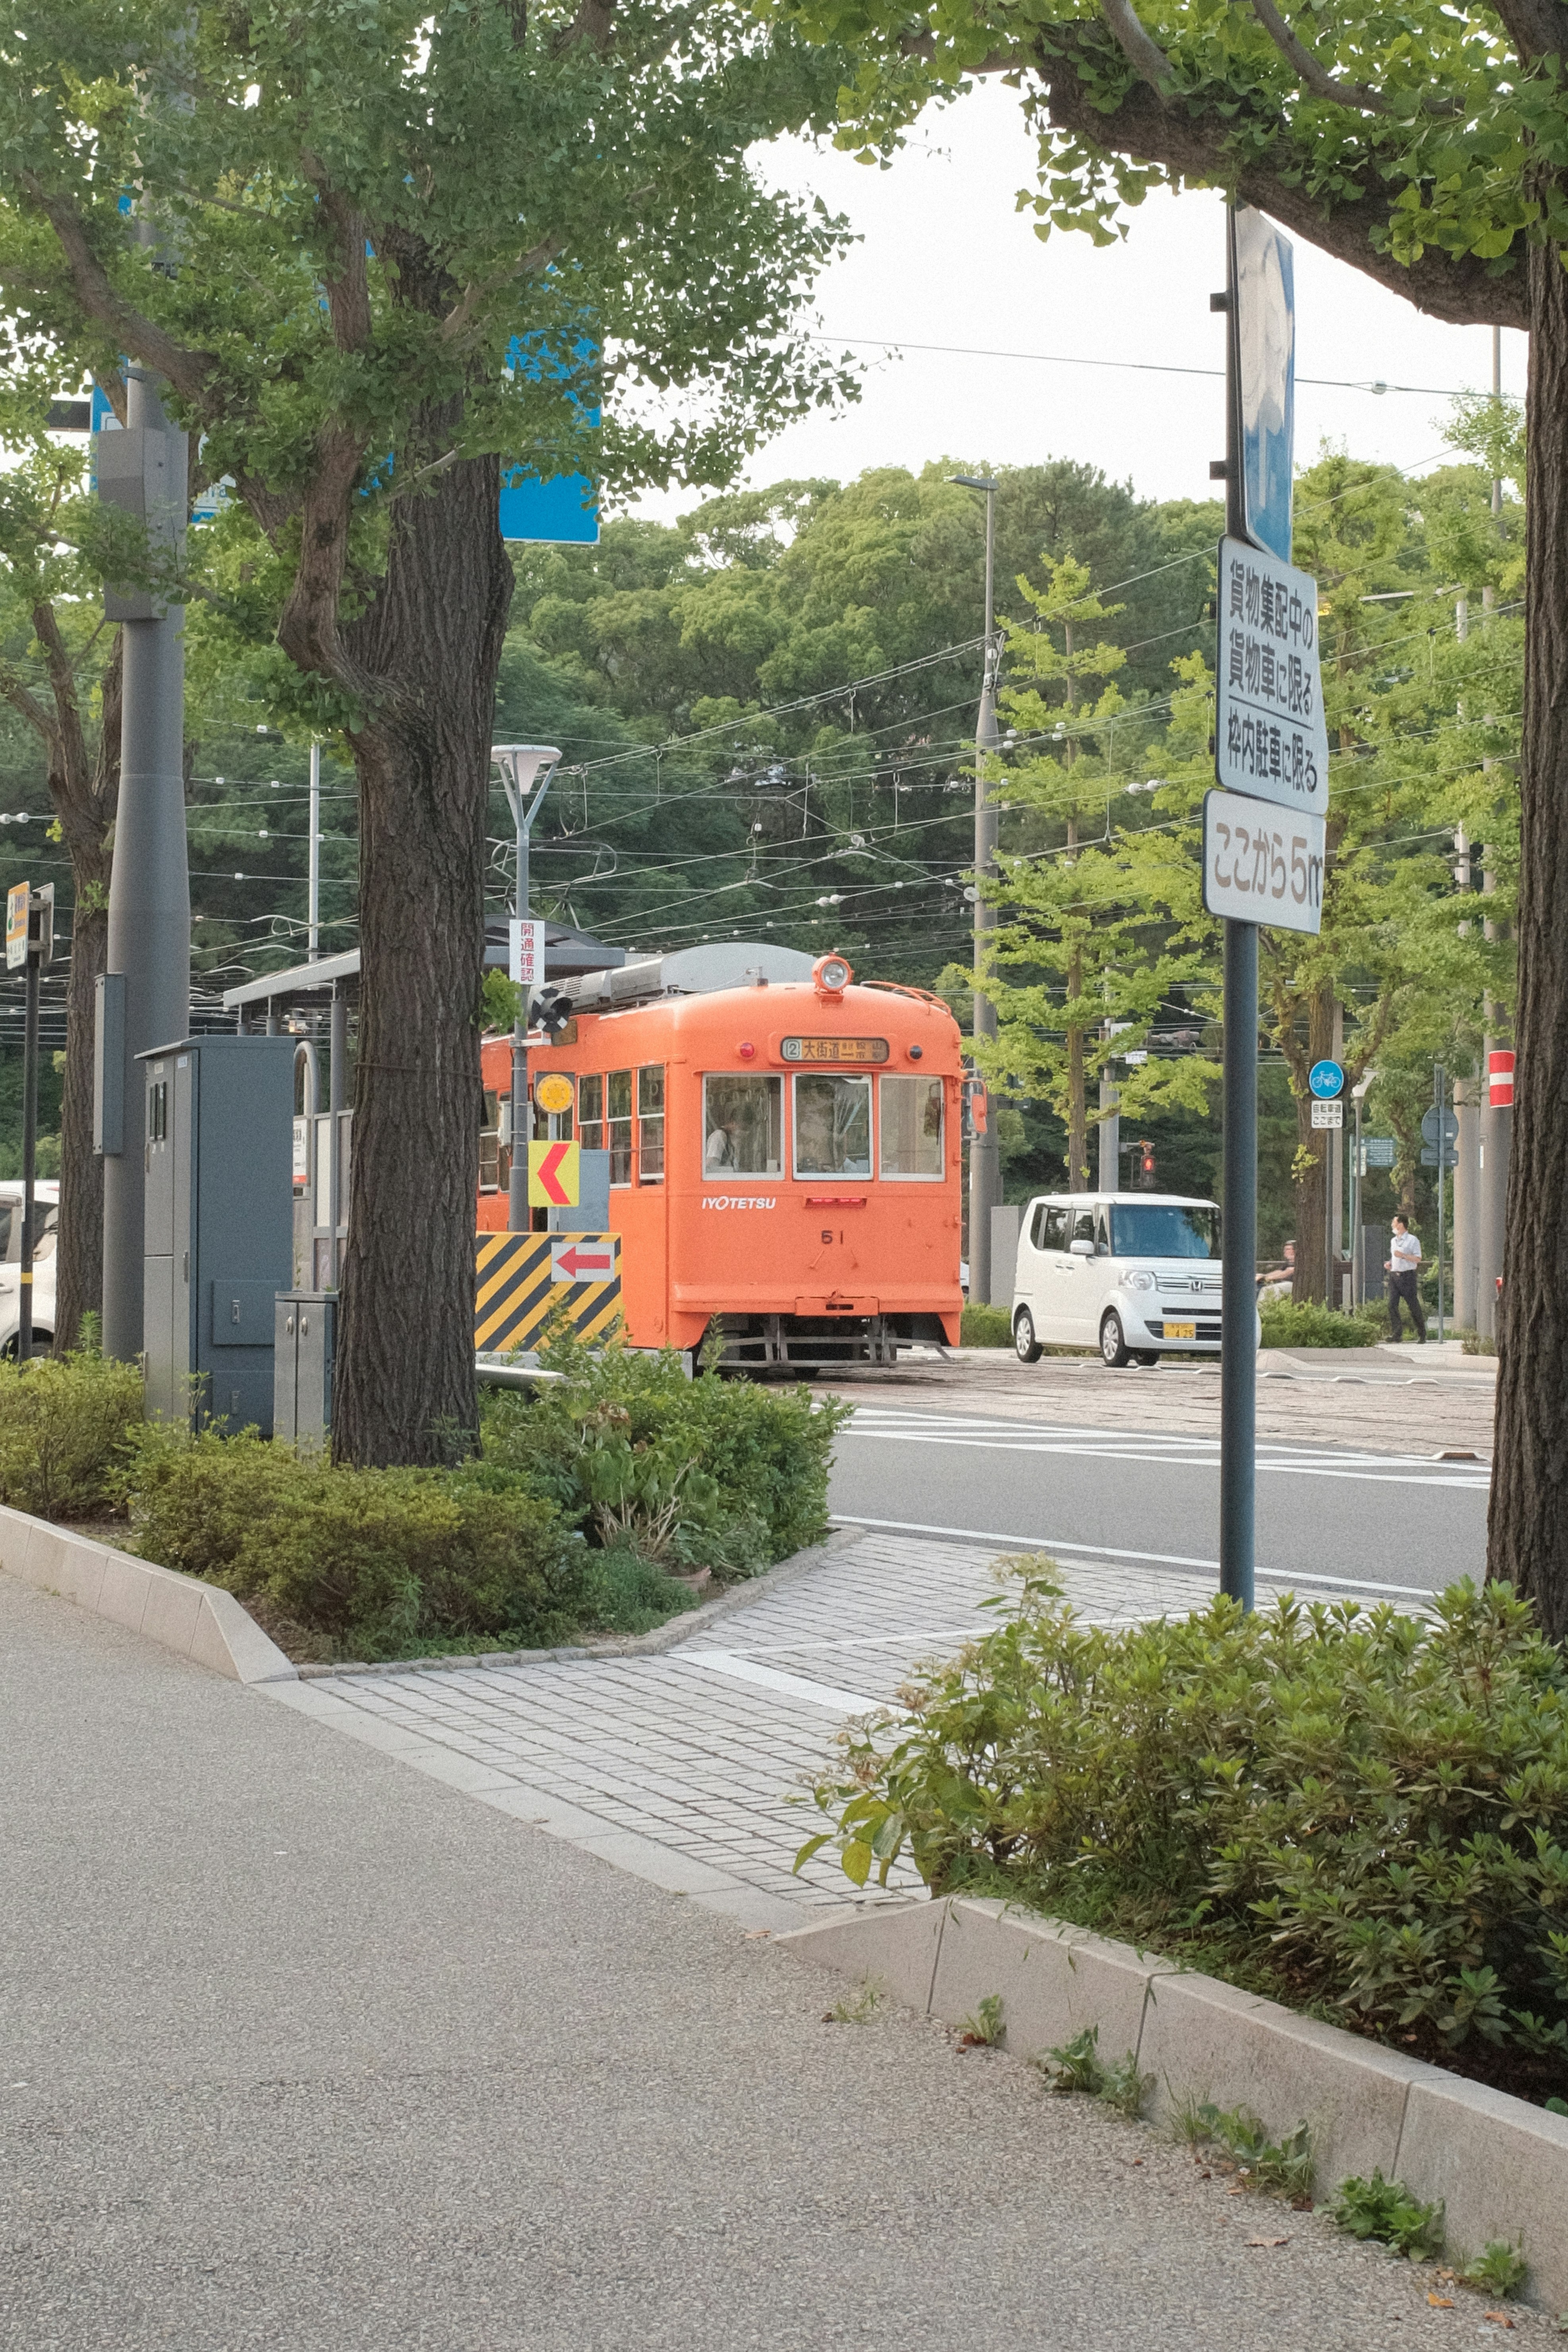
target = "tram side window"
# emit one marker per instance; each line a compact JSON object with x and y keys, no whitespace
{"x":618,"y":1123}
{"x":832,"y":1125}
{"x":910,"y":1112}
{"x":742,"y":1126}
{"x":650,"y":1125}
{"x":591,"y":1113}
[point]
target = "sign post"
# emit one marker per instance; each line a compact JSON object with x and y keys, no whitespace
{"x":520,"y":765}
{"x":1270,"y":746}
{"x":1440,"y":1133}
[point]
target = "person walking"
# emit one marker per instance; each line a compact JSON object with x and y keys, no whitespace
{"x":1402,"y":1267}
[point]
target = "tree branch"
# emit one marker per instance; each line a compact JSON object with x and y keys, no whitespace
{"x":1321,"y":82}
{"x":26,"y":704}
{"x":539,"y":258}
{"x":1141,"y":51}
{"x":1198,"y":144}
{"x":188,"y":370}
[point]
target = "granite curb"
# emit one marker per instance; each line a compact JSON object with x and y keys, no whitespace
{"x":616,"y":1646}
{"x":1497,"y":2165}
{"x":182,"y":1613}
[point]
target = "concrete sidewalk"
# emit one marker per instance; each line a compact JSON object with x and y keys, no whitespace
{"x":305,"y":2050}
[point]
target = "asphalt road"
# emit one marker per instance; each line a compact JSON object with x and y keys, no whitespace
{"x":1328,"y":1518}
{"x":307,"y":2053}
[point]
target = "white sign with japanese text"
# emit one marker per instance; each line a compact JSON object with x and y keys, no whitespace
{"x":1262,"y":865}
{"x":527,"y":960}
{"x":1328,"y":1114}
{"x":1270,"y":738}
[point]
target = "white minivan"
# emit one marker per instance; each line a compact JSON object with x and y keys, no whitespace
{"x":1131,"y":1273}
{"x":46,"y":1211}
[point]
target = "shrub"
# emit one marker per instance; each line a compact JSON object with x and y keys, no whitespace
{"x":1309,"y":1325}
{"x":986,"y":1327}
{"x":1360,"y":1812}
{"x":63,"y":1421}
{"x":706,"y":1473}
{"x":381,"y":1563}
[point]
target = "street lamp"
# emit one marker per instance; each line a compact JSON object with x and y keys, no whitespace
{"x":520,"y":765}
{"x":985,"y":1154}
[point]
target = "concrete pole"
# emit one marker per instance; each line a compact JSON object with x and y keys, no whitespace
{"x":1496,"y":1130}
{"x":985,"y":1152}
{"x":1336,"y":1142}
{"x":1467,"y":1094}
{"x":149,"y":890}
{"x":1110,"y":1130}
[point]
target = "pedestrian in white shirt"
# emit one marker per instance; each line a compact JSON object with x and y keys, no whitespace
{"x":1402,"y":1267}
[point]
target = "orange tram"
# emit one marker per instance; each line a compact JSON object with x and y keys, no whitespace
{"x":785,"y":1149}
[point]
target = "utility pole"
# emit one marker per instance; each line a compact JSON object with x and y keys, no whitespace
{"x":519,"y":764}
{"x":144,"y":998}
{"x":313,"y":867}
{"x":984,"y":1151}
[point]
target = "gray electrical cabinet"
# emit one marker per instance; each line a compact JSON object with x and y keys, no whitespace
{"x":306,"y":1344}
{"x":218,"y":1224}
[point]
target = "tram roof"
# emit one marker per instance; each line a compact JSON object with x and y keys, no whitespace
{"x":687,"y":972}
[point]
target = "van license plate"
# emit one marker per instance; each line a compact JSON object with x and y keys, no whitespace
{"x":1181,"y":1330}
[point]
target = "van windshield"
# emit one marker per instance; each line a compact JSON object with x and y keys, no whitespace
{"x":1163,"y":1228}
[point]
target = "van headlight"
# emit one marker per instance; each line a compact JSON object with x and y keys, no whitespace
{"x":1138,"y":1280}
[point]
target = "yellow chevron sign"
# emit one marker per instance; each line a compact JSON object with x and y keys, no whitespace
{"x":526,"y":1279}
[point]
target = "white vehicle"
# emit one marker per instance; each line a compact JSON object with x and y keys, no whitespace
{"x":1132,"y":1274}
{"x":45,"y":1216}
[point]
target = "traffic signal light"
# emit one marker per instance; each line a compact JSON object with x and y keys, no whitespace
{"x":1146,"y":1167}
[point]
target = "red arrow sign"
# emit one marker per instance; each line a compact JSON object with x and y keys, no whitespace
{"x":574,"y":1261}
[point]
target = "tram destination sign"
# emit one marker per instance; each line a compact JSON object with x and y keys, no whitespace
{"x":1262,"y":865}
{"x":834,"y":1049}
{"x":1270,"y":738}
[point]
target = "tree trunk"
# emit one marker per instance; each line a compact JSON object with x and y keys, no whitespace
{"x":78,"y":1248}
{"x":434,"y":635}
{"x":85,"y":789}
{"x":1528,"y":1524}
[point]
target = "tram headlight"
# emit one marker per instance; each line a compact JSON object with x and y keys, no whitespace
{"x":832,"y":974}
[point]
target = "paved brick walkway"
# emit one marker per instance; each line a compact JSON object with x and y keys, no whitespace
{"x":689,"y":1768}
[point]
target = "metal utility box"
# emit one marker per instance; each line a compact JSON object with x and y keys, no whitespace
{"x":305,"y":1345}
{"x":592,"y":1214}
{"x":219,"y":1219}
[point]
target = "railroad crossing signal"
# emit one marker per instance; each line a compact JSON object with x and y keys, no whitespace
{"x":554,"y":1092}
{"x":553,"y":1175}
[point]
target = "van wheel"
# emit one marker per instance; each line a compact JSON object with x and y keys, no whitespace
{"x":1145,"y":1356}
{"x":1023,"y":1339}
{"x":1113,"y":1342}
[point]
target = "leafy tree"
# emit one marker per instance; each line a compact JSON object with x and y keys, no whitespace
{"x":60,"y":672}
{"x":373,"y":251}
{"x":1429,"y":148}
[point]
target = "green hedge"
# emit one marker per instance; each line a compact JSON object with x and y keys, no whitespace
{"x":584,"y":1504}
{"x":63,"y":1422}
{"x":986,"y":1326}
{"x":1311,"y":1325}
{"x":1362,"y":1814}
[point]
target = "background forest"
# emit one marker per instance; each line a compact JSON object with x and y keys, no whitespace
{"x":767,"y":712}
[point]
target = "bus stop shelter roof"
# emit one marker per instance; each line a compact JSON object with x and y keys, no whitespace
{"x":568,"y":955}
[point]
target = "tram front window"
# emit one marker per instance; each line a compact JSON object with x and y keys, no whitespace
{"x":831,"y":1126}
{"x":742,"y":1126}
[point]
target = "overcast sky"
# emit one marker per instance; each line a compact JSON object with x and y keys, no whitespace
{"x":945,"y":258}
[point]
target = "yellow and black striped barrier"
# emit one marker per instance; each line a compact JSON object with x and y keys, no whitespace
{"x":525,"y":1279}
